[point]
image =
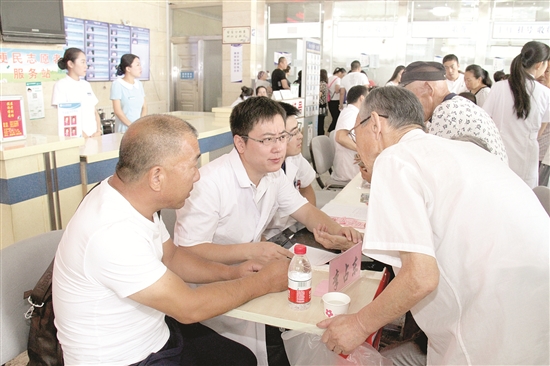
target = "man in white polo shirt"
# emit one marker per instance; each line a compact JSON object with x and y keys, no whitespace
{"x":236,"y":198}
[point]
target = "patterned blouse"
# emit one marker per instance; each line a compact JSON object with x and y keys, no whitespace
{"x":322,"y":93}
{"x":459,"y":116}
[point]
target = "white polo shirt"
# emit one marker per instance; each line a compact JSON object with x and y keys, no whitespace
{"x":225,"y":207}
{"x":300,"y":173}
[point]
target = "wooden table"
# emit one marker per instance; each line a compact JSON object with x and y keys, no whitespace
{"x":273,"y":309}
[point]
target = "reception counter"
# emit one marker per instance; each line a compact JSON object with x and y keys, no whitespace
{"x":43,"y":178}
{"x":40,"y":185}
{"x":99,"y":155}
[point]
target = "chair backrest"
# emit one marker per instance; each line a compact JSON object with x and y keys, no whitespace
{"x":169,"y":217}
{"x":322,"y":155}
{"x":22,"y":265}
{"x":543,"y":194}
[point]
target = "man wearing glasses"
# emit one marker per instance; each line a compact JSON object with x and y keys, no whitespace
{"x":296,"y":168}
{"x":467,"y":237}
{"x":236,"y":198}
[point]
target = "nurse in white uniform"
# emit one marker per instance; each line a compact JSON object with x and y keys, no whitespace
{"x":520,"y":108}
{"x":73,"y":89}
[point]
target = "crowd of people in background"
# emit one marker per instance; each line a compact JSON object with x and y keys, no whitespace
{"x":433,"y":141}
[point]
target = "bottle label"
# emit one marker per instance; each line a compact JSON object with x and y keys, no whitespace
{"x":299,"y":292}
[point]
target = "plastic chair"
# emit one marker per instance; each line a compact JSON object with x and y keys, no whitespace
{"x":374,"y":338}
{"x":543,"y":194}
{"x":22,"y":265}
{"x":322,"y":157}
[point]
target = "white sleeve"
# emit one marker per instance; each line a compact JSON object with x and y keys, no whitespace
{"x":198,"y":219}
{"x":289,"y":199}
{"x":400,"y":206}
{"x":305,"y":174}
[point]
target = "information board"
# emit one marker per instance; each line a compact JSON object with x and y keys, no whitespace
{"x":13,"y":118}
{"x":119,"y":45}
{"x":105,"y":43}
{"x":97,"y":50}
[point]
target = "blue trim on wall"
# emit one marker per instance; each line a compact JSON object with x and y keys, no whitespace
{"x":212,"y":143}
{"x":100,"y":170}
{"x":68,"y":176}
{"x":33,"y":185}
{"x":30,"y":186}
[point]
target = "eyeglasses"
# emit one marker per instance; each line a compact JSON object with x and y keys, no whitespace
{"x":296,"y":130}
{"x":270,"y":141}
{"x":352,"y":131}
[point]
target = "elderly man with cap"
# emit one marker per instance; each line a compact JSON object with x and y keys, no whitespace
{"x":470,"y":253}
{"x":447,"y":114}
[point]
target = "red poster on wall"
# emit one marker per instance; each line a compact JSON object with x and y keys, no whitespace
{"x":13,"y":118}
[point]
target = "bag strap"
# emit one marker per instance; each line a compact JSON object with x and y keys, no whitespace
{"x":328,"y":88}
{"x":38,"y":293}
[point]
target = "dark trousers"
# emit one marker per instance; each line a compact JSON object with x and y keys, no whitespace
{"x":276,"y":354}
{"x":196,"y":344}
{"x":334,"y":112}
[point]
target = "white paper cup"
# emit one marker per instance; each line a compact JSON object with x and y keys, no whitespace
{"x":335,"y":303}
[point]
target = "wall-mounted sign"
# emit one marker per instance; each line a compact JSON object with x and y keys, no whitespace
{"x":12,"y":117}
{"x":236,"y":35}
{"x":187,"y":75}
{"x":532,"y":30}
{"x":29,"y":65}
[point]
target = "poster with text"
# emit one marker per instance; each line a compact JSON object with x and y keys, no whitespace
{"x":35,"y":100}
{"x":13,"y":118}
{"x":236,"y":63}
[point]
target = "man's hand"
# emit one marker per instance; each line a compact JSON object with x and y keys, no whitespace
{"x":266,"y":252}
{"x":343,"y":333}
{"x":275,"y":274}
{"x":248,"y":268}
{"x":344,"y":239}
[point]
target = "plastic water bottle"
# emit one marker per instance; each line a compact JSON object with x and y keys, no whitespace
{"x":299,"y":280}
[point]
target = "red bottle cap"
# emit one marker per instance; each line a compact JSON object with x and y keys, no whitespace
{"x":300,"y":249}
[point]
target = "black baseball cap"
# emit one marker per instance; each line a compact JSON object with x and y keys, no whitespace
{"x":422,"y":71}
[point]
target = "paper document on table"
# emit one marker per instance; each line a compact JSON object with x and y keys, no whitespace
{"x":317,"y":257}
{"x":358,"y":211}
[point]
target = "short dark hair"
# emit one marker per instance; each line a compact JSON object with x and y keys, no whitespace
{"x":400,"y":105}
{"x":252,"y":111}
{"x":355,"y":93}
{"x":450,"y":57}
{"x":150,"y":141}
{"x":290,"y":110}
{"x":355,"y":65}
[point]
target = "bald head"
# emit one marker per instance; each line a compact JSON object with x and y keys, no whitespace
{"x":151,"y":141}
{"x":430,"y":94}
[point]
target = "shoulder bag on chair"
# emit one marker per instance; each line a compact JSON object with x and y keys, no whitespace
{"x":43,"y":347}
